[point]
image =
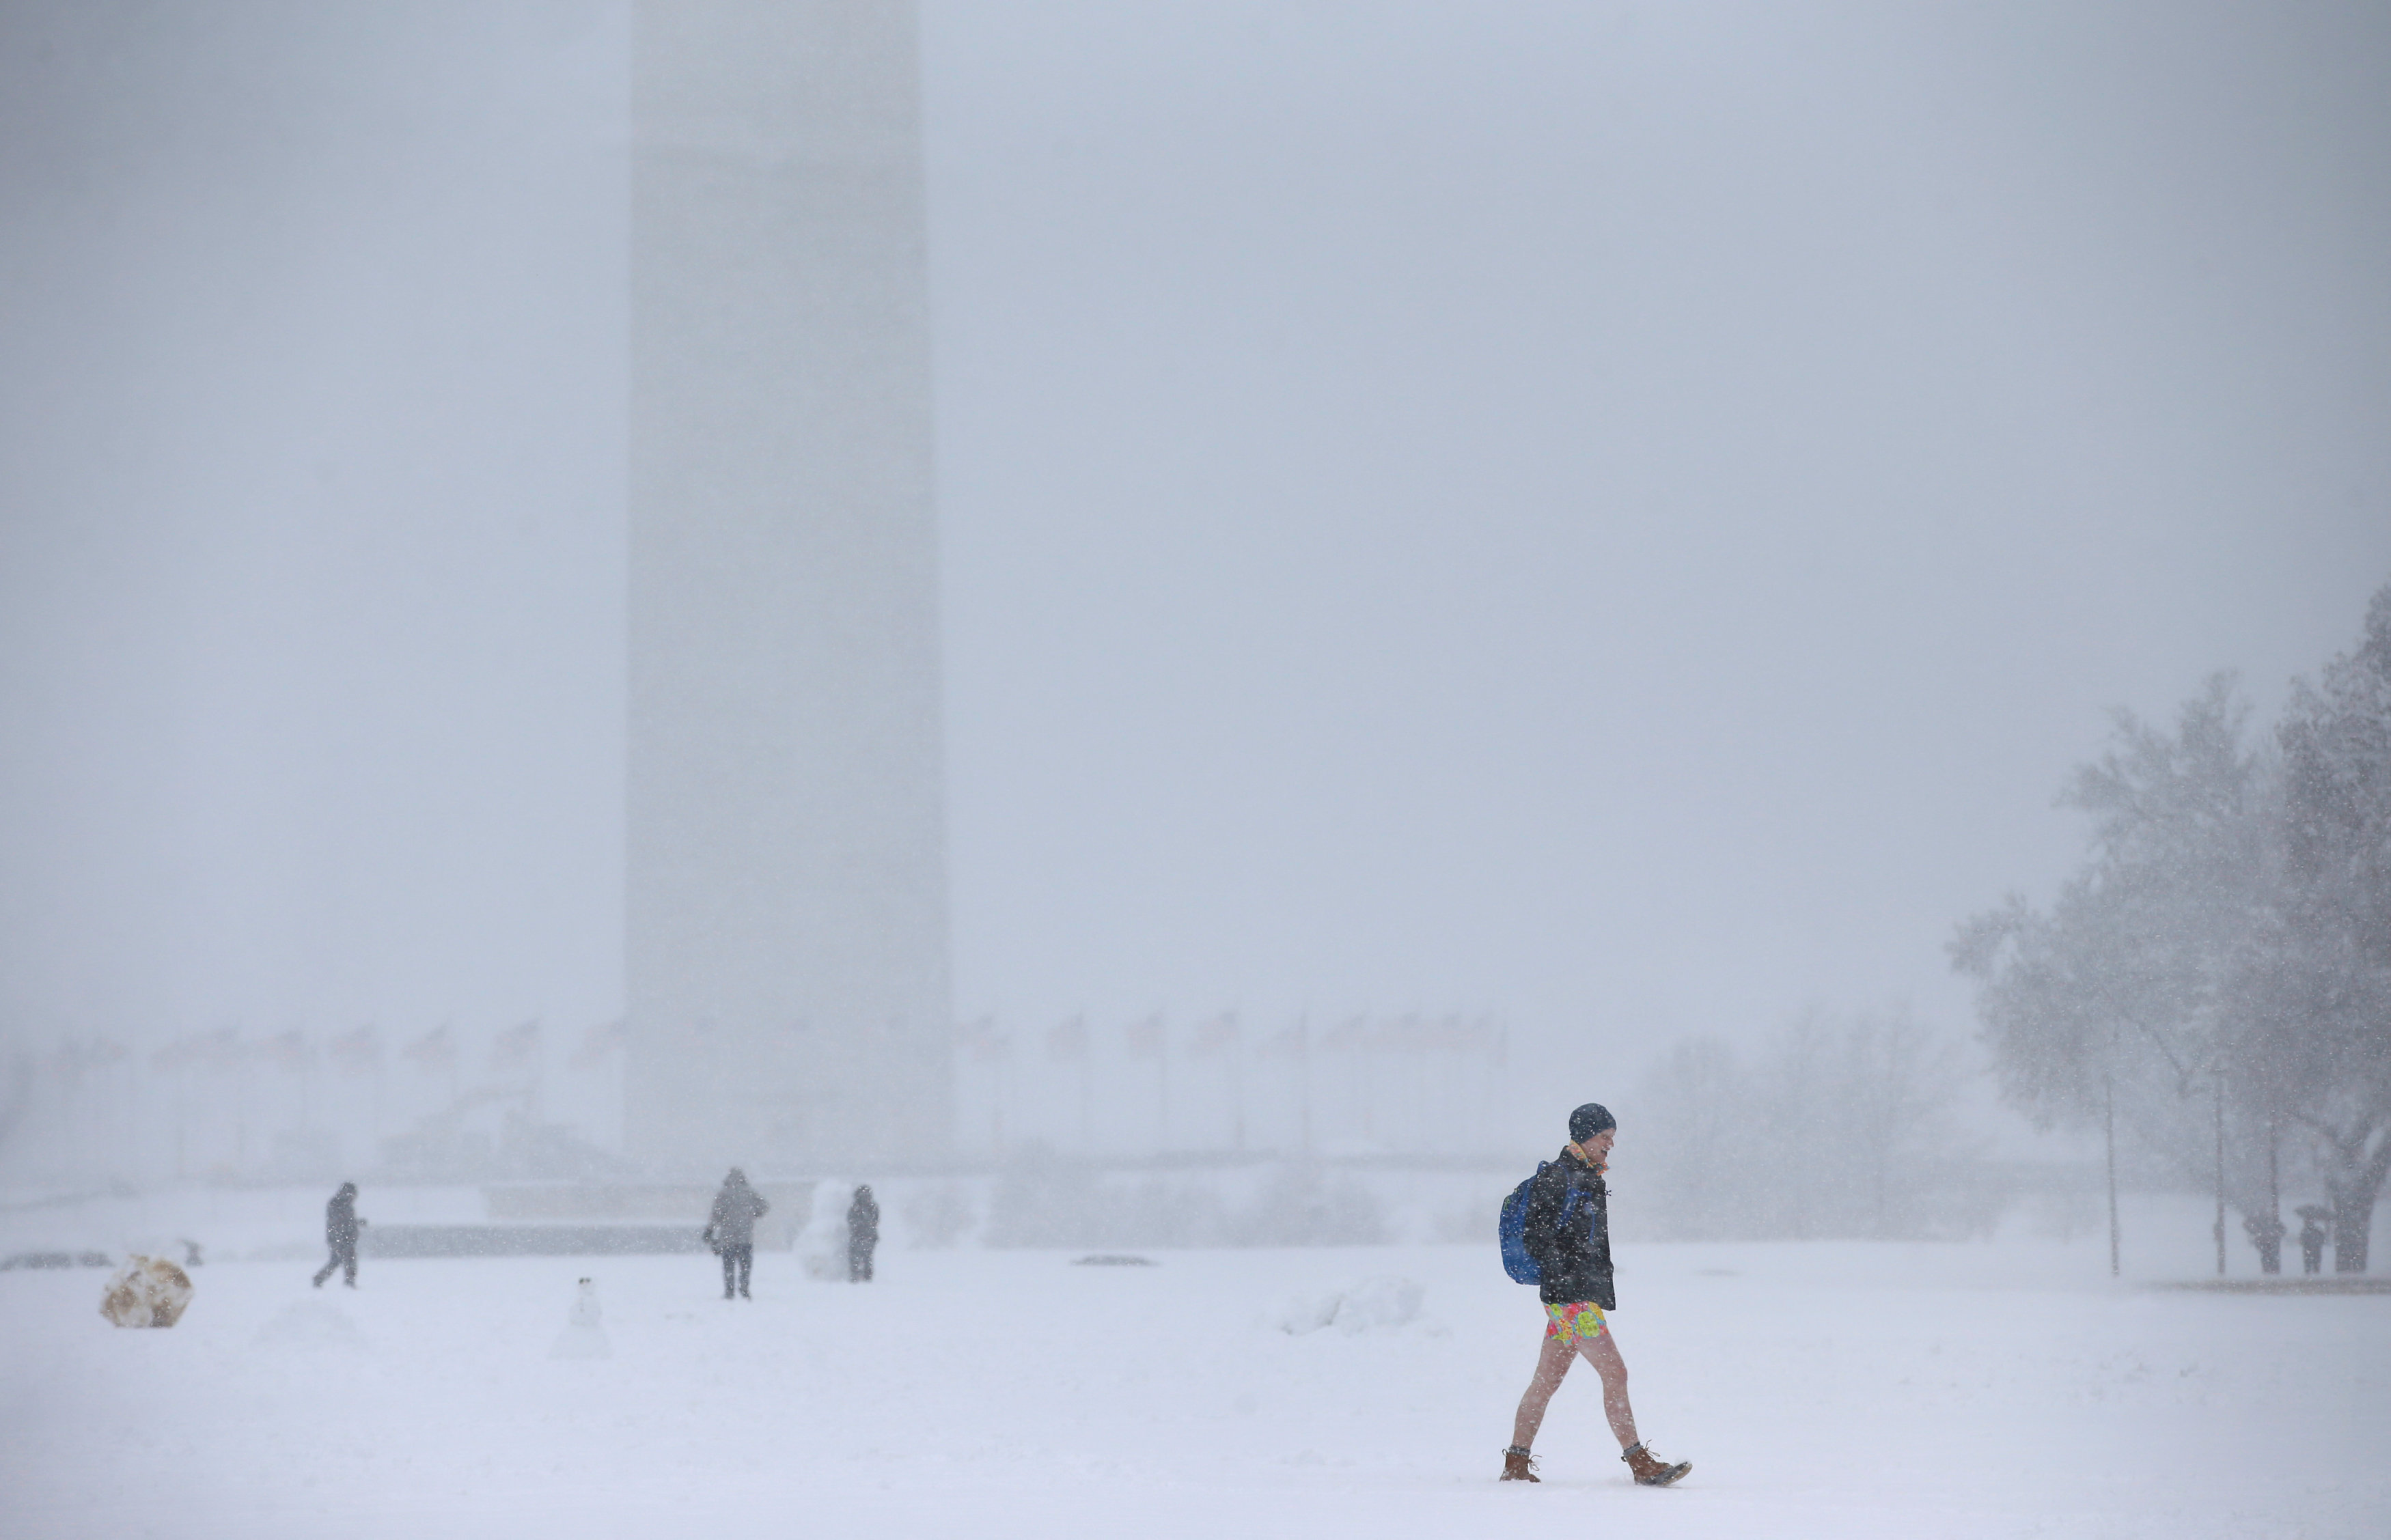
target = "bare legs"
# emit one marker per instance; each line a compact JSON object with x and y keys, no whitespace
{"x":1603,"y":1353}
{"x":1553,"y":1365}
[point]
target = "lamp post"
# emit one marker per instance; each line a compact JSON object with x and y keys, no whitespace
{"x":2220,"y":1169}
{"x":2109,"y":1122}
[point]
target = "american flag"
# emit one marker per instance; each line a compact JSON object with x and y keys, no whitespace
{"x":1067,"y":1039}
{"x":516,"y":1048}
{"x":600,"y":1041}
{"x":435,"y":1050}
{"x":357,"y":1051}
{"x":981,"y":1039}
{"x":1216,"y":1035}
{"x":1147,"y":1039}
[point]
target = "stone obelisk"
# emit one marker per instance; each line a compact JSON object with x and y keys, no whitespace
{"x":786,"y":955}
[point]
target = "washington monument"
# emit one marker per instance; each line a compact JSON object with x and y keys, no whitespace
{"x":786,"y":955}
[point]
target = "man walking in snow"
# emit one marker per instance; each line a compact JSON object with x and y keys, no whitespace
{"x":731,"y":1230}
{"x":1567,"y":1232}
{"x":341,"y":1224}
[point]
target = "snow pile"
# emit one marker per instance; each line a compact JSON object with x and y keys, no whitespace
{"x":1373,"y":1304}
{"x":147,"y":1291}
{"x":1299,"y":1314}
{"x":583,"y":1337}
{"x":821,"y":1245}
{"x":310,"y":1325}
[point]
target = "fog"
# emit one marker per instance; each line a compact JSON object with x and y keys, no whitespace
{"x":1617,"y":516}
{"x":314,"y":555}
{"x":1622,"y":516}
{"x":1613,"y":517}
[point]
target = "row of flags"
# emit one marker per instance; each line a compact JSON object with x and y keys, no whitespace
{"x":1151,"y":1037}
{"x":520,"y":1047}
{"x":362,"y":1051}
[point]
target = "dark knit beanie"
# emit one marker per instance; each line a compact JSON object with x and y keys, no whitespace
{"x":1590,"y":1120}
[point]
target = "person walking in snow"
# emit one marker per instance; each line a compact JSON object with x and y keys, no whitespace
{"x":862,"y":1235}
{"x":731,"y":1230}
{"x":341,"y":1224}
{"x":1567,"y":1232}
{"x":2311,"y":1240}
{"x":2267,"y":1234}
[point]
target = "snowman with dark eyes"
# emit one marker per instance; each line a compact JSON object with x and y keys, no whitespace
{"x":583,"y":1337}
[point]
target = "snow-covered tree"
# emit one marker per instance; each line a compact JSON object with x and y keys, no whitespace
{"x":2324,"y":1026}
{"x":1836,"y":1128}
{"x":2226,"y":947}
{"x":2123,"y":990}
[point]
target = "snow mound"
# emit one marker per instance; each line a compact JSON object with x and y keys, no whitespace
{"x":1300,"y":1313}
{"x":311,"y":1325}
{"x":821,"y":1245}
{"x":1373,"y":1304}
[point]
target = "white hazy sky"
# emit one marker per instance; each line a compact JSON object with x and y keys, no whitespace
{"x":1618,"y":514}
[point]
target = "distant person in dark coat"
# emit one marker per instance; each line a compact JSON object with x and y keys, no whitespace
{"x":731,"y":1230}
{"x":341,"y":1224}
{"x":2267,"y":1234}
{"x":862,"y":1235}
{"x":2311,"y":1244}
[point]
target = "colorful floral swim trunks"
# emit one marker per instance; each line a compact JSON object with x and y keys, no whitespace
{"x":1574,"y":1322}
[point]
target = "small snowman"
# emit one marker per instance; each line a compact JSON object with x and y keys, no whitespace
{"x":582,"y":1336}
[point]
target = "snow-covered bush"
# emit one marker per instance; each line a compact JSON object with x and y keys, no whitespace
{"x":1373,"y":1304}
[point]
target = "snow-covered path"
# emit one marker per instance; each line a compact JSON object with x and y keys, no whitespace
{"x":1825,"y":1390}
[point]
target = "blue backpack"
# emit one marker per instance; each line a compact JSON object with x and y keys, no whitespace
{"x":1514,"y":1229}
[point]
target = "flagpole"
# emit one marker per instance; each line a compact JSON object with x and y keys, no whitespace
{"x":377,"y":1093}
{"x":1238,"y":1090}
{"x":1369,"y":1086}
{"x":243,"y":1068}
{"x":1086,"y":1124}
{"x":1303,"y":1078}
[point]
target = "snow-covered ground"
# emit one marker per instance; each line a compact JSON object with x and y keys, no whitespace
{"x":1843,"y":1389}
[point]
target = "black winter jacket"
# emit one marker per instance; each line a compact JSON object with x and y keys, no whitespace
{"x":341,"y":1219}
{"x":1574,"y":1257}
{"x":732,"y":1223}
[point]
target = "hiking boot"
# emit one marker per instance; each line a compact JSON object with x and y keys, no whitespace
{"x":1651,"y":1469}
{"x":1518,"y":1466}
